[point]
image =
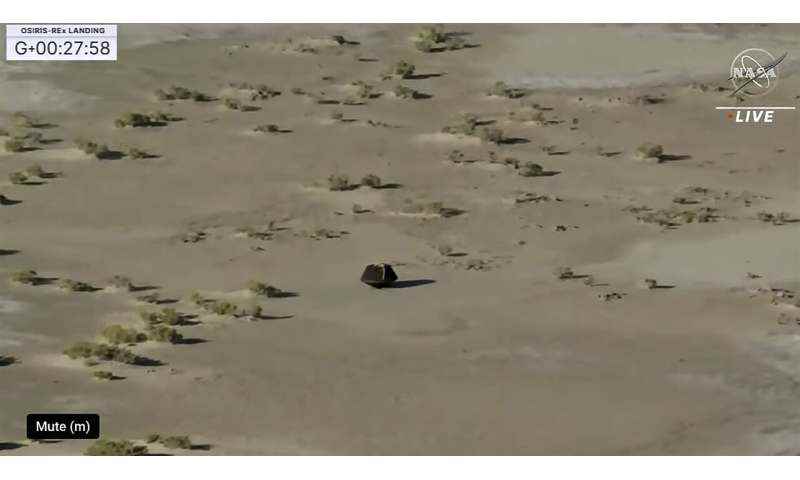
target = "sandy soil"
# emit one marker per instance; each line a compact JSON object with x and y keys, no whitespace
{"x":485,"y":351}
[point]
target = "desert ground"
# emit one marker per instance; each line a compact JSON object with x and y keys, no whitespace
{"x":562,"y":290}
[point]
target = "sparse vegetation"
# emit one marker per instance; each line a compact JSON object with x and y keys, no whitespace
{"x":115,"y":448}
{"x":167,"y":316}
{"x":234,"y":104}
{"x":531,"y":169}
{"x":137,"y":153}
{"x":103,"y":375}
{"x":102,"y":352}
{"x":564,"y":273}
{"x":465,"y":124}
{"x":15,"y":145}
{"x":401,"y":69}
{"x":121,"y":282}
{"x":25,"y":277}
{"x":401,"y":91}
{"x":117,"y":334}
{"x":649,"y":283}
{"x":261,"y":288}
{"x":339,"y":183}
{"x":89,"y":147}
{"x":371,"y":180}
{"x":137,"y":120}
{"x":18,"y":178}
{"x":69,"y":285}
{"x":779,"y":218}
{"x":163,"y":333}
{"x":181,"y":93}
{"x":267,"y":128}
{"x":649,"y":150}
{"x":21,"y":120}
{"x":171,"y":442}
{"x":501,"y":89}
{"x":491,"y":135}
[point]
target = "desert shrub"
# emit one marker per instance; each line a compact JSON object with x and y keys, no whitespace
{"x":464,"y":124}
{"x":115,"y":448}
{"x":528,"y":114}
{"x":364,"y":89}
{"x":234,"y":104}
{"x":432,"y":33}
{"x":35,"y":171}
{"x":197,"y":299}
{"x":73,"y":285}
{"x":153,"y":438}
{"x":649,"y":283}
{"x":563,"y":273}
{"x":15,"y":145}
{"x":424,"y":45}
{"x":121,"y":282}
{"x":401,"y":91}
{"x":297,"y":91}
{"x":501,"y":89}
{"x":454,"y":43}
{"x":117,"y":334}
{"x":25,"y":277}
{"x":103,"y":375}
{"x":163,"y":333}
{"x":6,"y":360}
{"x":491,"y":135}
{"x":89,"y":147}
{"x":133,"y":119}
{"x":22,"y":120}
{"x":531,"y":169}
{"x":261,"y":288}
{"x":221,"y":307}
{"x":136,"y":153}
{"x":401,"y":69}
{"x":779,"y":218}
{"x":338,"y":183}
{"x":176,"y":441}
{"x":167,"y":316}
{"x":18,"y":178}
{"x":649,"y":150}
{"x":444,"y":249}
{"x":267,"y":128}
{"x":371,"y":180}
{"x":102,"y":352}
{"x":181,"y":93}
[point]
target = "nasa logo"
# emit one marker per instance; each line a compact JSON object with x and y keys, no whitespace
{"x":754,"y":72}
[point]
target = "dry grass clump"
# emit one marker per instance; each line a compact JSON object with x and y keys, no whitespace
{"x":234,"y":104}
{"x":69,"y":285}
{"x":371,"y":180}
{"x":117,"y":334}
{"x":780,"y":218}
{"x":22,"y":120}
{"x":6,"y":360}
{"x":267,"y":128}
{"x":256,"y":92}
{"x":671,"y":217}
{"x":163,"y":333}
{"x":167,"y":316}
{"x":102,"y":352}
{"x":491,"y":135}
{"x":103,"y":375}
{"x":401,"y":69}
{"x":25,"y":277}
{"x":18,"y":178}
{"x":23,"y":142}
{"x":563,"y":273}
{"x":464,"y":124}
{"x":364,"y":89}
{"x":531,"y":169}
{"x":116,"y":448}
{"x":501,"y":89}
{"x":261,"y":288}
{"x":172,"y":441}
{"x":435,"y":39}
{"x":649,"y":150}
{"x":153,"y":119}
{"x":401,"y":91}
{"x":121,"y":282}
{"x":98,"y":150}
{"x":340,"y":183}
{"x":181,"y":93}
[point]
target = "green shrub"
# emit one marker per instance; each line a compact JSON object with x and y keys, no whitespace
{"x":163,"y":333}
{"x":371,"y":180}
{"x":117,"y":334}
{"x":115,"y":448}
{"x":221,"y":307}
{"x":167,"y":316}
{"x":454,"y":43}
{"x":338,"y":183}
{"x":181,"y":93}
{"x":103,"y":375}
{"x":261,"y":288}
{"x":433,"y":34}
